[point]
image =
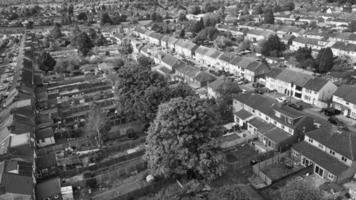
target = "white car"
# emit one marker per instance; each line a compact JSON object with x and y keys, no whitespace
{"x":281,"y":99}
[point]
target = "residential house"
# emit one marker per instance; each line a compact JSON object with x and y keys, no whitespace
{"x":168,"y":42}
{"x":330,"y":152}
{"x":45,"y":137}
{"x":222,"y":86}
{"x":250,"y":67}
{"x":154,"y":38}
{"x":291,"y":124}
{"x":344,"y":99}
{"x":318,"y":92}
{"x":225,"y":62}
{"x":344,"y":49}
{"x":16,"y":180}
{"x":300,"y":42}
{"x":258,"y":35}
{"x":46,"y":165}
{"x":287,"y":81}
{"x":346,"y":37}
{"x":185,"y":48}
{"x":193,"y":76}
{"x":207,"y":56}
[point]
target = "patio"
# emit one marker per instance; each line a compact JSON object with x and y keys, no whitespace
{"x":280,"y":170}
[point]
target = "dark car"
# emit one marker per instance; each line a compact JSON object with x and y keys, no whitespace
{"x":296,"y":106}
{"x":330,"y":111}
{"x":336,"y":121}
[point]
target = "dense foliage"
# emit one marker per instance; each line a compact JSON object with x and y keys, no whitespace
{"x":273,"y":46}
{"x":182,"y":142}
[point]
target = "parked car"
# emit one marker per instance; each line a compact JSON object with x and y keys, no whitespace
{"x":281,"y":99}
{"x":296,"y":106}
{"x":330,"y":111}
{"x":336,"y":121}
{"x":261,"y":90}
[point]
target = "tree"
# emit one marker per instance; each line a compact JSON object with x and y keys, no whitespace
{"x":125,"y":48}
{"x":145,"y":61}
{"x":155,"y":17}
{"x":207,"y":7}
{"x":289,"y":6}
{"x":209,"y":33}
{"x":197,"y":26}
{"x":95,"y":122}
{"x":82,"y":16}
{"x":181,"y":33}
{"x":46,"y":62}
{"x":245,"y":45}
{"x":182,"y":141}
{"x":182,"y":17}
{"x":194,"y":10}
{"x":211,"y":19}
{"x":324,"y":60}
{"x":268,"y":16}
{"x":100,"y":41}
{"x":84,"y":43}
{"x":56,"y":31}
{"x":303,"y":53}
{"x":273,"y":46}
{"x":105,"y":19}
{"x":300,"y":189}
{"x":222,"y":42}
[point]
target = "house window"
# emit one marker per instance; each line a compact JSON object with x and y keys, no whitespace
{"x":332,"y":152}
{"x":344,"y":159}
{"x":321,"y":146}
{"x":331,"y":176}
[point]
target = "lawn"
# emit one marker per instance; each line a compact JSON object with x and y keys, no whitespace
{"x":238,"y":167}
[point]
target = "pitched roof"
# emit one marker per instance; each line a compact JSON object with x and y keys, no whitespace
{"x":44,"y":133}
{"x":243,"y":114}
{"x":205,"y":77}
{"x":277,"y":135}
{"x":273,"y":73}
{"x":10,"y":181}
{"x":261,"y":125}
{"x":262,"y":103}
{"x":202,"y":50}
{"x":347,"y":92}
{"x":226,"y":56}
{"x":224,"y":84}
{"x":46,"y":161}
{"x":295,"y":77}
{"x":320,"y":157}
{"x":246,"y":61}
{"x":343,"y":142}
{"x":258,"y":67}
{"x":344,"y":46}
{"x":316,"y":84}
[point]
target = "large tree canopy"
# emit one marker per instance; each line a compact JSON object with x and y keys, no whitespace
{"x":83,"y":43}
{"x":140,"y":91}
{"x":324,"y":60}
{"x":46,"y":62}
{"x":273,"y":46}
{"x":182,"y":142}
{"x":268,"y":16}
